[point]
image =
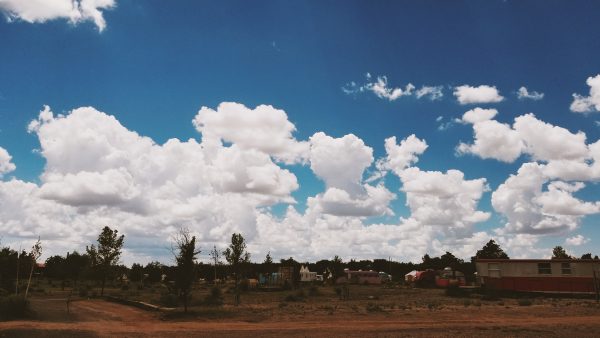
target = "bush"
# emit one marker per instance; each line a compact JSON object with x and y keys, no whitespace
{"x":244,"y":285}
{"x":215,"y":298}
{"x":313,"y":291}
{"x":490,"y":295}
{"x":524,"y":302}
{"x":373,"y":307}
{"x":297,"y":296}
{"x":83,"y":291}
{"x":14,"y":307}
{"x":455,"y":291}
{"x":338,"y":290}
{"x":169,"y":300}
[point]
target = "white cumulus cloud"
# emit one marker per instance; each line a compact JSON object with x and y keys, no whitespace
{"x":466,"y":94}
{"x":576,"y":240}
{"x":6,"y":165}
{"x":524,"y":94}
{"x":590,"y":103}
{"x":75,"y":11}
{"x":263,"y":128}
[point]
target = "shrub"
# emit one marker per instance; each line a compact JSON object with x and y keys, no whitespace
{"x":490,"y":295}
{"x":338,"y":290}
{"x":13,"y":307}
{"x":297,"y":296}
{"x":455,"y":291}
{"x":169,"y":300}
{"x":244,"y":285}
{"x":215,"y":297}
{"x":524,"y":302}
{"x":373,"y":307}
{"x":124,"y":287}
{"x":83,"y":291}
{"x":313,"y":291}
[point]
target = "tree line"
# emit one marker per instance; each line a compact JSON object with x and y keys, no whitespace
{"x":101,"y":263}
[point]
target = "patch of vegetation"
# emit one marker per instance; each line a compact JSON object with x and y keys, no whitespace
{"x":490,"y":295}
{"x":214,"y":298}
{"x":14,"y":307}
{"x":297,"y":296}
{"x":374,"y":307}
{"x":524,"y":302}
{"x":169,"y":300}
{"x":455,"y":291}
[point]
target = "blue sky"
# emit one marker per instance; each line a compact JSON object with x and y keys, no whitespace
{"x":155,"y":64}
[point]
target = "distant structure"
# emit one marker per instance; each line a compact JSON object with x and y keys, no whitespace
{"x":306,"y":275}
{"x":360,"y":277}
{"x":540,"y":275}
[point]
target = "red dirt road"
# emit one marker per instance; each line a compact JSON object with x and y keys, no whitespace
{"x":90,"y":318}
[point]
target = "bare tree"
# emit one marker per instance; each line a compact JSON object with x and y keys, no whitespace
{"x":107,"y":254}
{"x":215,"y":255}
{"x":35,"y":254}
{"x":184,"y":250}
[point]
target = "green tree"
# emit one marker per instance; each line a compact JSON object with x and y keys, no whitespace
{"x":268,"y":263}
{"x":55,"y":267}
{"x":236,"y":255}
{"x":154,"y":270}
{"x":136,"y":273}
{"x":559,"y":253}
{"x":185,"y":255}
{"x":107,"y":254}
{"x":337,"y":267}
{"x":491,"y":251}
{"x":586,"y":256}
{"x":75,"y":264}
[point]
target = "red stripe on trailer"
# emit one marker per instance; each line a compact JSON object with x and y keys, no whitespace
{"x":541,"y":284}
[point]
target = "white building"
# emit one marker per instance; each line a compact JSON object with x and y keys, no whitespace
{"x":306,"y":275}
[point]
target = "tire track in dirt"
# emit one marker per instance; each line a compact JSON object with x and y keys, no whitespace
{"x":111,"y":319}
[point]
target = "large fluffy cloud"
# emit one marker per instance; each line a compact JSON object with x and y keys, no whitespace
{"x":466,"y":94}
{"x":443,"y":200}
{"x":97,"y":167}
{"x":492,"y":139}
{"x":264,"y":128}
{"x":340,"y":162}
{"x":590,"y":103}
{"x":532,"y":206}
{"x":6,"y":165}
{"x":528,"y":135}
{"x":539,"y":198}
{"x":44,"y":10}
{"x":98,"y":172}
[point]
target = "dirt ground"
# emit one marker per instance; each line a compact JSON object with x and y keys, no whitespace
{"x":370,"y":312}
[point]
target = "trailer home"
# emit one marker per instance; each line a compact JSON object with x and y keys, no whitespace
{"x":539,"y":275}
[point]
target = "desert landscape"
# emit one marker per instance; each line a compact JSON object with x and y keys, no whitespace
{"x":372,"y":311}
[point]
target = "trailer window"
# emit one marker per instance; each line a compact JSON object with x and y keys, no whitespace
{"x":565,"y":268}
{"x":493,"y":269}
{"x":544,"y":269}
